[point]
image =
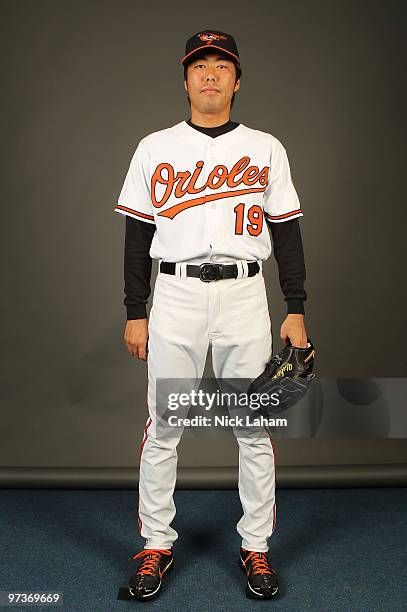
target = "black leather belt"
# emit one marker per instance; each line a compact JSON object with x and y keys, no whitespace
{"x":210,"y":271}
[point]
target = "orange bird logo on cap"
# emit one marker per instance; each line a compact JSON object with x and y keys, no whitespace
{"x":208,"y":37}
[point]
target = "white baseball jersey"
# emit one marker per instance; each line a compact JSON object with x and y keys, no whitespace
{"x":209,"y":197}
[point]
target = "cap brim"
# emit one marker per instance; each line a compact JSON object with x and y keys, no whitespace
{"x":191,"y":54}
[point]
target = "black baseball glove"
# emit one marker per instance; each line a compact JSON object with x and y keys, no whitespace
{"x":285,"y":379}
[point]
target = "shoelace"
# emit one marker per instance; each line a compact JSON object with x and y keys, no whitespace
{"x":150,"y":562}
{"x":259,"y":562}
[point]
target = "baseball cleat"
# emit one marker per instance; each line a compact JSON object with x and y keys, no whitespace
{"x":145,"y":583}
{"x":262,"y":582}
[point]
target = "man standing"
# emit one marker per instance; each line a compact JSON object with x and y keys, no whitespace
{"x":200,"y":197}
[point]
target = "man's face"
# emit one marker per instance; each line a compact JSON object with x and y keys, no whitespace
{"x":211,"y":83}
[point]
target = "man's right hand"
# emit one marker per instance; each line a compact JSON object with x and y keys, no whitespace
{"x":135,"y":338}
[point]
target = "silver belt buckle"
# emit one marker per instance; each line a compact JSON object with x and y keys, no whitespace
{"x":210,"y":272}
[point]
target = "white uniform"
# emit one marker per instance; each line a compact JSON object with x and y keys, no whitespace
{"x":208,"y":198}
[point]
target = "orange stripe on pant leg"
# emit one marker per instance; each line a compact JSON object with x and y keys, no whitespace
{"x":140,"y":524}
{"x":275,"y":505}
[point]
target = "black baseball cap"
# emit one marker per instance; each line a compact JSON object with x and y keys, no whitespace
{"x":210,"y":39}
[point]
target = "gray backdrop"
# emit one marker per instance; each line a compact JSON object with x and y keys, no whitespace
{"x":82,"y":83}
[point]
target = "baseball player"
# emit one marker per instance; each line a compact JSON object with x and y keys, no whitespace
{"x":202,"y":197}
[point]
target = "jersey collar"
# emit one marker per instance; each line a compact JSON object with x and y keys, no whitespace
{"x":200,"y":136}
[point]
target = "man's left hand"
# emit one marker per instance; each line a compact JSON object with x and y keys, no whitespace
{"x":293,"y":330}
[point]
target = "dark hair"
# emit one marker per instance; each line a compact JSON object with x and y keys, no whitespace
{"x":238,"y":75}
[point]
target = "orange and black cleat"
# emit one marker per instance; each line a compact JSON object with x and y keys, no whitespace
{"x":145,"y":582}
{"x":262,"y":581}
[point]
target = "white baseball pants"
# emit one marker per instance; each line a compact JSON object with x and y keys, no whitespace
{"x":187,"y":316}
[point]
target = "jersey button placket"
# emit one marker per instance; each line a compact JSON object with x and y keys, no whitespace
{"x":216,"y":205}
{"x":211,"y":206}
{"x":213,"y":161}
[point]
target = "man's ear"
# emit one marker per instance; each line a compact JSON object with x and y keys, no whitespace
{"x":237,"y":85}
{"x":185,"y":85}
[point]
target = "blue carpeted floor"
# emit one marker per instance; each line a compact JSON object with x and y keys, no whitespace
{"x":334,"y":550}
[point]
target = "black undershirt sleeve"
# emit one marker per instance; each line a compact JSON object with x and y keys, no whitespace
{"x":289,"y":254}
{"x":137,"y":266}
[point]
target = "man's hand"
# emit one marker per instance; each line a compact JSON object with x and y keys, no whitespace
{"x":135,"y":338}
{"x":293,"y":330}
